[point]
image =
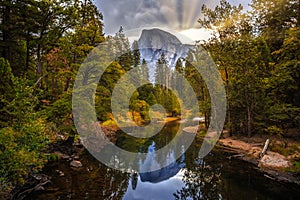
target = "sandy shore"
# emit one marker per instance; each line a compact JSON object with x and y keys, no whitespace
{"x":170,"y":119}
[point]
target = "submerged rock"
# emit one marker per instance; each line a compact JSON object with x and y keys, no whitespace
{"x":60,"y":173}
{"x":76,"y":163}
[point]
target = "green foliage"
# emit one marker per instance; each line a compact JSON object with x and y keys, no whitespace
{"x":142,"y":108}
{"x":60,"y":113}
{"x":146,"y":93}
{"x":6,"y":76}
{"x":25,"y":137}
{"x":22,"y":149}
{"x":274,"y":130}
{"x":6,"y":89}
{"x":109,"y":122}
{"x":259,"y":63}
{"x":42,"y":46}
{"x":44,"y":43}
{"x":136,"y":54}
{"x":296,"y":167}
{"x":283,"y":148}
{"x":102,"y":103}
{"x":273,"y":18}
{"x":144,"y":70}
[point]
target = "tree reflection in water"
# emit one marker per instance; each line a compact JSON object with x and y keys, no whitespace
{"x":201,"y":182}
{"x":92,"y":181}
{"x":134,"y":180}
{"x":115,"y":184}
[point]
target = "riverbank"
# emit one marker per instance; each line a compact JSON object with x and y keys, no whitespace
{"x":275,"y":165}
{"x":280,"y":162}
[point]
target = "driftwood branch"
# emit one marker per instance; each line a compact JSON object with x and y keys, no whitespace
{"x":265,"y":148}
{"x":40,"y":79}
{"x":38,"y":187}
{"x":236,"y":156}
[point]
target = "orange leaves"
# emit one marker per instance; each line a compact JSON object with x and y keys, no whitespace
{"x":56,"y":60}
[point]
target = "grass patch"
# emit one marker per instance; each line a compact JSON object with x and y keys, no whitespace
{"x":281,"y":148}
{"x":110,"y":122}
{"x":296,"y":168}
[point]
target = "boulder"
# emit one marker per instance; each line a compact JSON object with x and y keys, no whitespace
{"x":274,"y":160}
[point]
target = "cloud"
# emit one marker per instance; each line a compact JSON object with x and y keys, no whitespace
{"x":130,"y":14}
{"x":196,"y":34}
{"x":173,"y":14}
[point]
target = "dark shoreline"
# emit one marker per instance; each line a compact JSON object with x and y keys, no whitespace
{"x":273,"y":174}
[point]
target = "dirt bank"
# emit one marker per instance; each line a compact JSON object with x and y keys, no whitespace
{"x":278,"y":161}
{"x":275,"y":165}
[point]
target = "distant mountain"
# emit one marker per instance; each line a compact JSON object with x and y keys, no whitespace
{"x":154,"y":42}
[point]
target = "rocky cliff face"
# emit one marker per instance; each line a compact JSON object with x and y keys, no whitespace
{"x":154,"y":42}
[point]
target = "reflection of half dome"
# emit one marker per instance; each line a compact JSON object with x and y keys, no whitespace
{"x":164,"y":173}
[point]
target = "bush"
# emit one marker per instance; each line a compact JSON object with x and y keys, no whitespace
{"x":110,"y":122}
{"x":274,"y":130}
{"x":23,"y":150}
{"x":60,"y":113}
{"x":24,"y":135}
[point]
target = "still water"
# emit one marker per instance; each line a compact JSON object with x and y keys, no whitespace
{"x":214,"y":177}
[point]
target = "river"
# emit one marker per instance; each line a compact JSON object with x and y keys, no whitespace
{"x":214,"y":177}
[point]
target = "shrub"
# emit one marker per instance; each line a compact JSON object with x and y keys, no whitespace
{"x":24,"y":134}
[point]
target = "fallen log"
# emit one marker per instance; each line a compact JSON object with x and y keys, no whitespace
{"x":256,"y":144}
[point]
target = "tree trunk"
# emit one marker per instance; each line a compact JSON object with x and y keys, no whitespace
{"x":6,"y":38}
{"x":67,"y":84}
{"x":39,"y":61}
{"x":249,"y":120}
{"x":27,"y":52}
{"x":132,"y":113}
{"x":228,"y":106}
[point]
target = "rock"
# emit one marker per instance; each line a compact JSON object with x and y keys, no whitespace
{"x":78,"y":144}
{"x":225,"y":134}
{"x":155,"y":42}
{"x":63,"y":137}
{"x":60,"y":173}
{"x":274,"y":160}
{"x":61,"y":155}
{"x":76,"y":163}
{"x":75,"y":157}
{"x":64,"y":156}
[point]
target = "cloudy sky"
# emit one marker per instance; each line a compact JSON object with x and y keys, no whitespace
{"x":179,"y":15}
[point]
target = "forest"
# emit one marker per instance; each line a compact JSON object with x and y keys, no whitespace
{"x":43,"y":44}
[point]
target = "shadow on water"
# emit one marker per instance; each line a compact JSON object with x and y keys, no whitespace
{"x":214,"y":177}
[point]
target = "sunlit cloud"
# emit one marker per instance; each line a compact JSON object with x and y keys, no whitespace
{"x":179,"y":15}
{"x":196,"y":34}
